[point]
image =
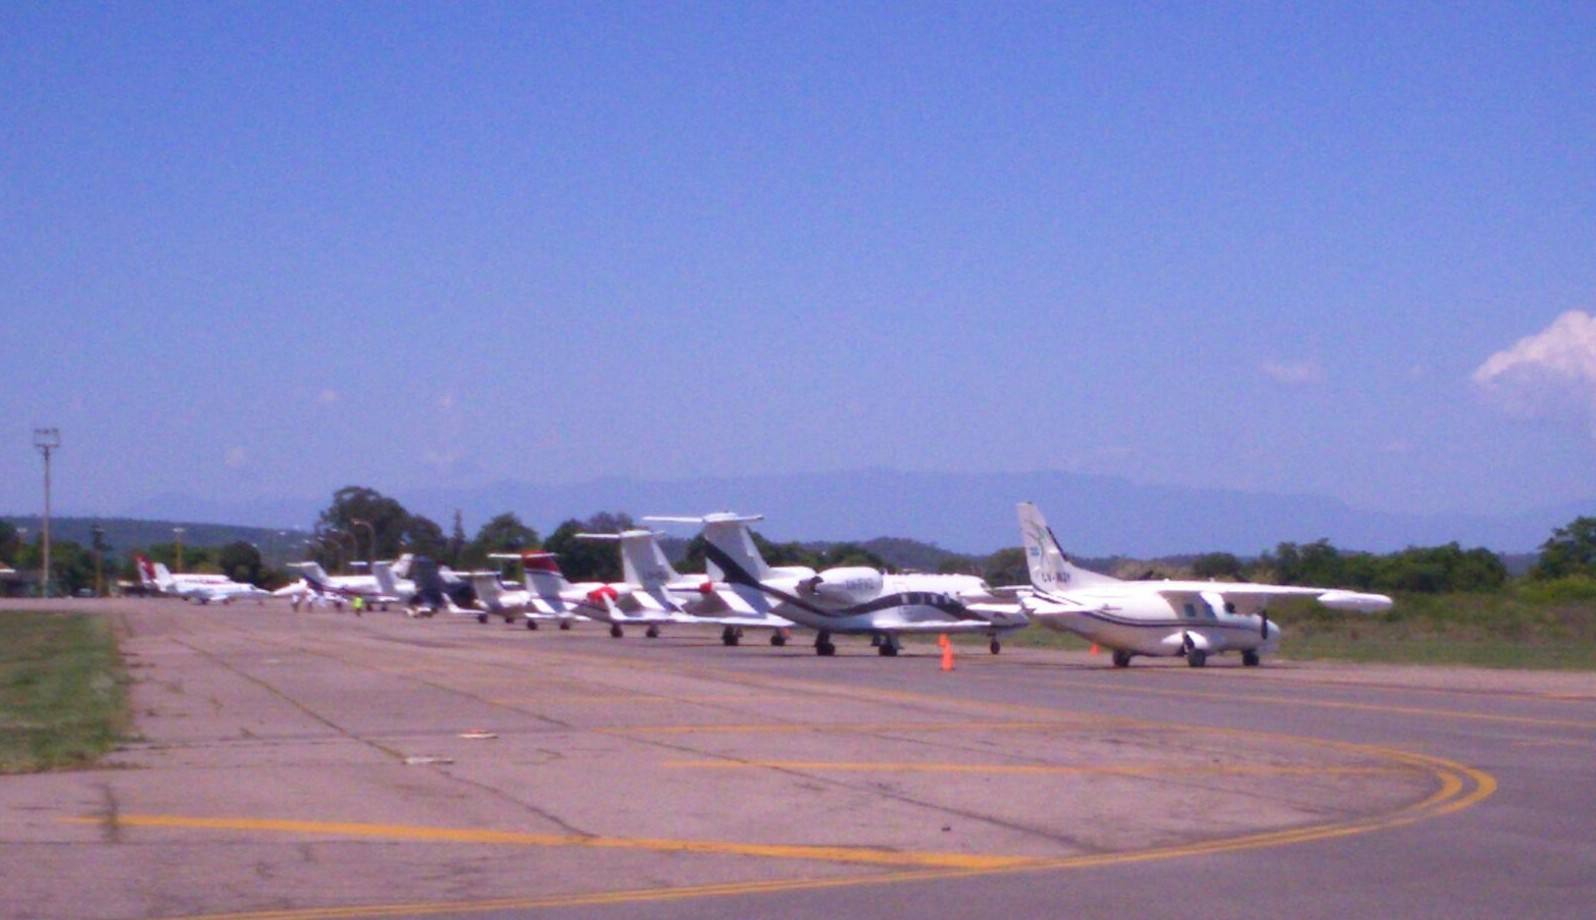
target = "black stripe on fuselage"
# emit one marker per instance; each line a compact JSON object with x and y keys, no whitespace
{"x":737,"y":575}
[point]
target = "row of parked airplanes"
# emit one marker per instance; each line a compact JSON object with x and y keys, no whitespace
{"x":740,"y":591}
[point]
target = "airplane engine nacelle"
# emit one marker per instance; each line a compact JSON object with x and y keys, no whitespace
{"x":846,"y":585}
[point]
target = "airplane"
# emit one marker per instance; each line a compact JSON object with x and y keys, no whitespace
{"x":343,"y":587}
{"x":850,"y":600}
{"x":697,"y":600}
{"x":1193,"y":619}
{"x":434,"y":588}
{"x":527,"y":602}
{"x":194,"y":587}
{"x":551,"y":595}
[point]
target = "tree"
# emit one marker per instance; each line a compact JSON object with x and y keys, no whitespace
{"x":503,"y":533}
{"x":1571,"y":550}
{"x":457,"y":540}
{"x":240,"y":561}
{"x":422,"y":536}
{"x":1007,"y":567}
{"x":390,"y":523}
{"x":584,"y":560}
{"x":8,"y":540}
{"x":1216,"y":565}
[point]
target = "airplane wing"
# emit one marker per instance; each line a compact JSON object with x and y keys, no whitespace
{"x":1252,"y":599}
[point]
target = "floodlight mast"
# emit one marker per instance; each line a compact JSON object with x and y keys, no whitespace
{"x":46,"y":440}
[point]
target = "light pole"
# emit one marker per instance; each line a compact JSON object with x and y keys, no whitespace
{"x":46,"y":440}
{"x":178,"y":562}
{"x":371,"y":542}
{"x":99,"y":549}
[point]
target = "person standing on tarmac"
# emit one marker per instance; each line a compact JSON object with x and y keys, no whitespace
{"x":359,"y":604}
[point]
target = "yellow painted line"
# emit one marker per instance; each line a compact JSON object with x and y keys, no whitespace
{"x":1164,"y":770}
{"x":836,"y":854}
{"x":841,"y":727}
{"x":1450,"y":796}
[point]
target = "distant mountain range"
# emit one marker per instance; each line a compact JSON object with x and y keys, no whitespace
{"x":966,"y":512}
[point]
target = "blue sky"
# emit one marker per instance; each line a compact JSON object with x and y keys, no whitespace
{"x":272,"y":249}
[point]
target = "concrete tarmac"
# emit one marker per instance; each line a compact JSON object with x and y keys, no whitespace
{"x":320,"y":765}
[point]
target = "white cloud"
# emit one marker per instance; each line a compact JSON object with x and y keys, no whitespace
{"x":1551,"y":374}
{"x":1293,"y":373}
{"x":236,"y":456}
{"x":327,"y":396}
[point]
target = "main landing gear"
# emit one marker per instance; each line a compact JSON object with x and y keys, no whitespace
{"x":652,"y":632}
{"x":995,"y":646}
{"x":1250,"y":658}
{"x":565,"y":624}
{"x":1196,"y":657}
{"x":531,"y":624}
{"x":823,"y":646}
{"x":731,"y":635}
{"x":1121,"y":658}
{"x":887,"y":647}
{"x":778,"y":637}
{"x":615,"y":631}
{"x":482,"y":618}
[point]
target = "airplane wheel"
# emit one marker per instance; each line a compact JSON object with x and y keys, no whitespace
{"x":887,"y":650}
{"x":482,"y":618}
{"x":531,"y":624}
{"x":384,"y":608}
{"x":615,"y":631}
{"x":728,"y":636}
{"x":1121,"y":659}
{"x":825,"y":650}
{"x":995,"y":647}
{"x":1249,"y":658}
{"x":1196,"y":657}
{"x":776,"y":638}
{"x":565,"y":624}
{"x":510,"y":618}
{"x":652,"y":632}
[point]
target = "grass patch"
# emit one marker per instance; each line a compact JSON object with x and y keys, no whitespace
{"x":63,"y":690}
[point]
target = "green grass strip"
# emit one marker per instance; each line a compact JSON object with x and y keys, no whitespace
{"x":63,"y":690}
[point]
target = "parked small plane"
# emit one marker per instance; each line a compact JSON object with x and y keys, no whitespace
{"x":698,"y":600}
{"x":551,"y":596}
{"x":345,"y":587}
{"x":850,"y":599}
{"x":434,"y":588}
{"x":194,"y":587}
{"x":1194,"y":619}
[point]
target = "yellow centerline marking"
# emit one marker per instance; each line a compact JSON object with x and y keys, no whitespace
{"x":835,"y":854}
{"x":1168,"y":770}
{"x":1453,"y":778}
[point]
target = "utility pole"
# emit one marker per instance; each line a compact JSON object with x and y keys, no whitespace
{"x":178,"y":562}
{"x":99,"y":553}
{"x":46,"y":440}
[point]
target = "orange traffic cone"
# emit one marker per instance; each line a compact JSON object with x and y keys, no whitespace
{"x":947,"y":651}
{"x":1095,"y":650}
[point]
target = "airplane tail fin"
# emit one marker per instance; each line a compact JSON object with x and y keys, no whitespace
{"x":543,"y":575}
{"x":1050,"y":568}
{"x":386,"y":582}
{"x":643,"y":561}
{"x":146,"y":572}
{"x":401,"y":566}
{"x":486,"y":584}
{"x":313,"y":573}
{"x":731,"y":555}
{"x":163,"y":577}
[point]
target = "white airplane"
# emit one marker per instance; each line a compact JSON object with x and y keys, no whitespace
{"x":416,"y":597}
{"x":195,"y":587}
{"x":551,"y":596}
{"x":696,"y":600}
{"x":1194,"y":619}
{"x":343,"y":587}
{"x":850,"y":599}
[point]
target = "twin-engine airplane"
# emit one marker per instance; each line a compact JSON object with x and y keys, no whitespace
{"x":1194,"y":619}
{"x":849,"y":600}
{"x":194,"y":587}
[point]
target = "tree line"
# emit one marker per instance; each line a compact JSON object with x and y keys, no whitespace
{"x":361,"y":524}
